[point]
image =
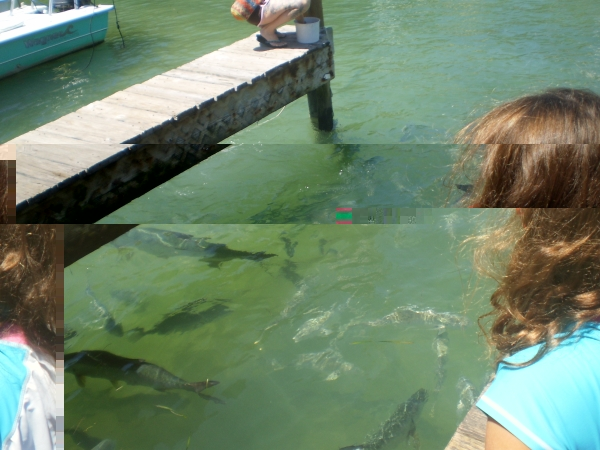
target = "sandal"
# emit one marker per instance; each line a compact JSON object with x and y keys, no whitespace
{"x":272,"y":44}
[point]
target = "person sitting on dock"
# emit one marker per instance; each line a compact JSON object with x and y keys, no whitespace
{"x":538,"y":151}
{"x":268,"y":15}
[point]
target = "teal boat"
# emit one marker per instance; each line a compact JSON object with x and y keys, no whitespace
{"x":30,"y":35}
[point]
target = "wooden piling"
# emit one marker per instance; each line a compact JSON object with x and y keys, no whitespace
{"x":320,"y":106}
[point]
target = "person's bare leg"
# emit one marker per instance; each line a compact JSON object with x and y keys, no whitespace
{"x":278,"y":13}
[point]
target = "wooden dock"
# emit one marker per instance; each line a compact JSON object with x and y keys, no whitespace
{"x":470,"y":434}
{"x":91,"y":162}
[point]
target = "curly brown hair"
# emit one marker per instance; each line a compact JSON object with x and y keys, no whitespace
{"x":547,"y":265}
{"x":538,"y":151}
{"x":28,"y":282}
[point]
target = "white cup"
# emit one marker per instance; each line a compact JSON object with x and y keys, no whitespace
{"x":308,"y":32}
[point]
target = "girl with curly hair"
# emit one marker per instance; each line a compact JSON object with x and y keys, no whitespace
{"x":538,"y":151}
{"x":540,"y":154}
{"x":28,"y":299}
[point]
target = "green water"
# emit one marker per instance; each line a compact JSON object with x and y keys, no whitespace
{"x":407,"y":72}
{"x":297,"y":341}
{"x":232,"y":187}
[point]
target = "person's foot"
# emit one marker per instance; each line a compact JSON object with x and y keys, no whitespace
{"x":269,"y":34}
{"x":274,"y":44}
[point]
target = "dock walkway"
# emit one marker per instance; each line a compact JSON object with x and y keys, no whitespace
{"x":88,"y":163}
{"x":470,"y":434}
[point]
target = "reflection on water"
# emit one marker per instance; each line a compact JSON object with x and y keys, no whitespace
{"x":315,"y":348}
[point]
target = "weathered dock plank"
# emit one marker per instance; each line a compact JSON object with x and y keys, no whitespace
{"x":170,"y":107}
{"x":183,"y":85}
{"x":159,"y":128}
{"x":168,"y":93}
{"x":470,"y":434}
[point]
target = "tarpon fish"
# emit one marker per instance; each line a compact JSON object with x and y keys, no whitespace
{"x":330,"y":361}
{"x":185,"y":318}
{"x":466,"y":188}
{"x":466,"y":394}
{"x":412,"y":313}
{"x":468,"y":191}
{"x":164,"y":243}
{"x":314,"y":325}
{"x":69,"y":333}
{"x":288,"y":270}
{"x":101,"y":364}
{"x":290,"y":248}
{"x":104,"y":314}
{"x":440,"y":345}
{"x":400,"y":426}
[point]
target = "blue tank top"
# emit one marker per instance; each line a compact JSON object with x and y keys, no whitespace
{"x":555,"y":402}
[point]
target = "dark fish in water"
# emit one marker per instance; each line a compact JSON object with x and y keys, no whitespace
{"x":401,"y":425}
{"x":101,"y":364}
{"x":467,"y":396}
{"x":290,"y":247}
{"x":102,"y":312}
{"x":288,"y":270}
{"x":69,"y":333}
{"x":106,"y":444}
{"x":186,"y":318}
{"x":440,"y":345}
{"x":322,"y":243}
{"x":467,"y":188}
{"x":164,"y":244}
{"x":468,"y":191}
{"x":411,"y":313}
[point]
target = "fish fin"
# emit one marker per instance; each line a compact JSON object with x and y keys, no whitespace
{"x":115,"y":384}
{"x":212,"y":399}
{"x":80,"y":380}
{"x":413,"y":437}
{"x":199,"y":386}
{"x":213,"y":264}
{"x":136,"y":334}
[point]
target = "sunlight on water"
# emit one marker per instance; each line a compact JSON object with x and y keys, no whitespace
{"x":316,"y":333}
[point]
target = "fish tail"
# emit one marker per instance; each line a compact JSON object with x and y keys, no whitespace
{"x":199,"y":386}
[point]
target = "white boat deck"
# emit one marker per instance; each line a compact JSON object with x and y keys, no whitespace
{"x":25,"y":21}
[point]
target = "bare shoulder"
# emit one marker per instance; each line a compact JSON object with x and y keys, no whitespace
{"x":499,"y":438}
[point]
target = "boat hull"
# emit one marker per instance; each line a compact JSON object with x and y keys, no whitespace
{"x":43,"y":37}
